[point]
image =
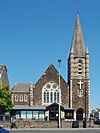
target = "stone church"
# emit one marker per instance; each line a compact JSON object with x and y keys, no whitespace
{"x":41,"y":100}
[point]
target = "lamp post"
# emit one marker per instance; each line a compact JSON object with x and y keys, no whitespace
{"x":85,"y":98}
{"x":59,"y":119}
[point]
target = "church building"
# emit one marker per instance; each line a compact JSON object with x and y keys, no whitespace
{"x":41,"y":100}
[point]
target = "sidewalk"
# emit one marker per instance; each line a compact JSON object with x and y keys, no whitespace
{"x":38,"y":129}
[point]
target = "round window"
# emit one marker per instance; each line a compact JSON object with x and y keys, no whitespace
{"x":48,"y":86}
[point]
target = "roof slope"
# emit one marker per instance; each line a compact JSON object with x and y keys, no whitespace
{"x":50,"y":74}
{"x":21,"y":88}
{"x":78,"y":46}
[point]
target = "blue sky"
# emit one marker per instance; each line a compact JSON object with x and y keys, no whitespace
{"x":35,"y":33}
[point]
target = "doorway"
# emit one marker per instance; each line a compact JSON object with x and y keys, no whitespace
{"x":54,"y":111}
{"x":53,"y":114}
{"x":79,"y":114}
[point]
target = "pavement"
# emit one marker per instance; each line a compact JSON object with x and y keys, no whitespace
{"x":55,"y":130}
{"x":96,"y":129}
{"x":96,"y":126}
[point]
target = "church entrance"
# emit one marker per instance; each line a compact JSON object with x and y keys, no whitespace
{"x":79,"y":114}
{"x":53,"y":114}
{"x":54,"y":111}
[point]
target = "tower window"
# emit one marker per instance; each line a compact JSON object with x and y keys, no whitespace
{"x":80,"y":62}
{"x":79,"y":65}
{"x":80,"y":73}
{"x":79,"y":69}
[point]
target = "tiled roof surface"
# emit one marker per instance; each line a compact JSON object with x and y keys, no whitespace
{"x":29,"y":107}
{"x":36,"y":107}
{"x":21,"y":88}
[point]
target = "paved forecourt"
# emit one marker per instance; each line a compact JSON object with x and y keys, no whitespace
{"x":62,"y":130}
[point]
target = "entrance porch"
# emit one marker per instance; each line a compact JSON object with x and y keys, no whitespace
{"x":49,"y":113}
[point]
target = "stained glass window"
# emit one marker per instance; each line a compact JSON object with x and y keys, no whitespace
{"x":50,"y":93}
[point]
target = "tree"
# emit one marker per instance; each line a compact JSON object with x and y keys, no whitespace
{"x":5,"y":99}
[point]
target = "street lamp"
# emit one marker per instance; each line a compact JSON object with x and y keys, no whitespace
{"x":59,"y":120}
{"x":85,"y":118}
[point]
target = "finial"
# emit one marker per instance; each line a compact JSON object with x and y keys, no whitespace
{"x":77,"y":12}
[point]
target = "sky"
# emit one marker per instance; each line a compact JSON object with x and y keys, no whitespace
{"x":36,"y":33}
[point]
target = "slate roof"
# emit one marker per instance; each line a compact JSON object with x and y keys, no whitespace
{"x":38,"y":107}
{"x":49,"y":74}
{"x":27,"y":107}
{"x":78,"y":45}
{"x":21,"y":88}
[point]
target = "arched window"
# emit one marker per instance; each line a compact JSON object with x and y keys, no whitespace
{"x":80,"y":63}
{"x":50,"y":93}
{"x":16,"y":97}
{"x":25,"y":97}
{"x":51,"y":97}
{"x":79,"y":114}
{"x":21,"y":98}
{"x":47,"y":97}
{"x":44,"y":97}
{"x":54,"y":96}
{"x":57,"y":97}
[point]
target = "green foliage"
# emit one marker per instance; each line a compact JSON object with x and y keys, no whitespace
{"x":5,"y":99}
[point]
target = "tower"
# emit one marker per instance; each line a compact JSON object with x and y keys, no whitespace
{"x":78,"y":74}
{"x":3,"y":75}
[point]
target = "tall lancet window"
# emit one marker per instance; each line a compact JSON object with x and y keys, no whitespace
{"x":50,"y":93}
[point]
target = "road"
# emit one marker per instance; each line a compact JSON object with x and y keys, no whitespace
{"x":55,"y":131}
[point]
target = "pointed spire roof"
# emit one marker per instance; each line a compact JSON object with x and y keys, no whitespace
{"x":78,"y":46}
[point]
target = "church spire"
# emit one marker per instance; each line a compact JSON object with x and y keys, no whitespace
{"x":78,"y":46}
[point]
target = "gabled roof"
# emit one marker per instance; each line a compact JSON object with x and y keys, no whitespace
{"x":78,"y":46}
{"x":21,"y":88}
{"x":53,"y":105}
{"x":51,"y":74}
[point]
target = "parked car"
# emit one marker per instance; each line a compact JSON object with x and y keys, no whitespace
{"x":2,"y":130}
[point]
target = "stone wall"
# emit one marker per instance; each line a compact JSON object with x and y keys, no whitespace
{"x":46,"y":124}
{"x":51,"y":74}
{"x":5,"y":124}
